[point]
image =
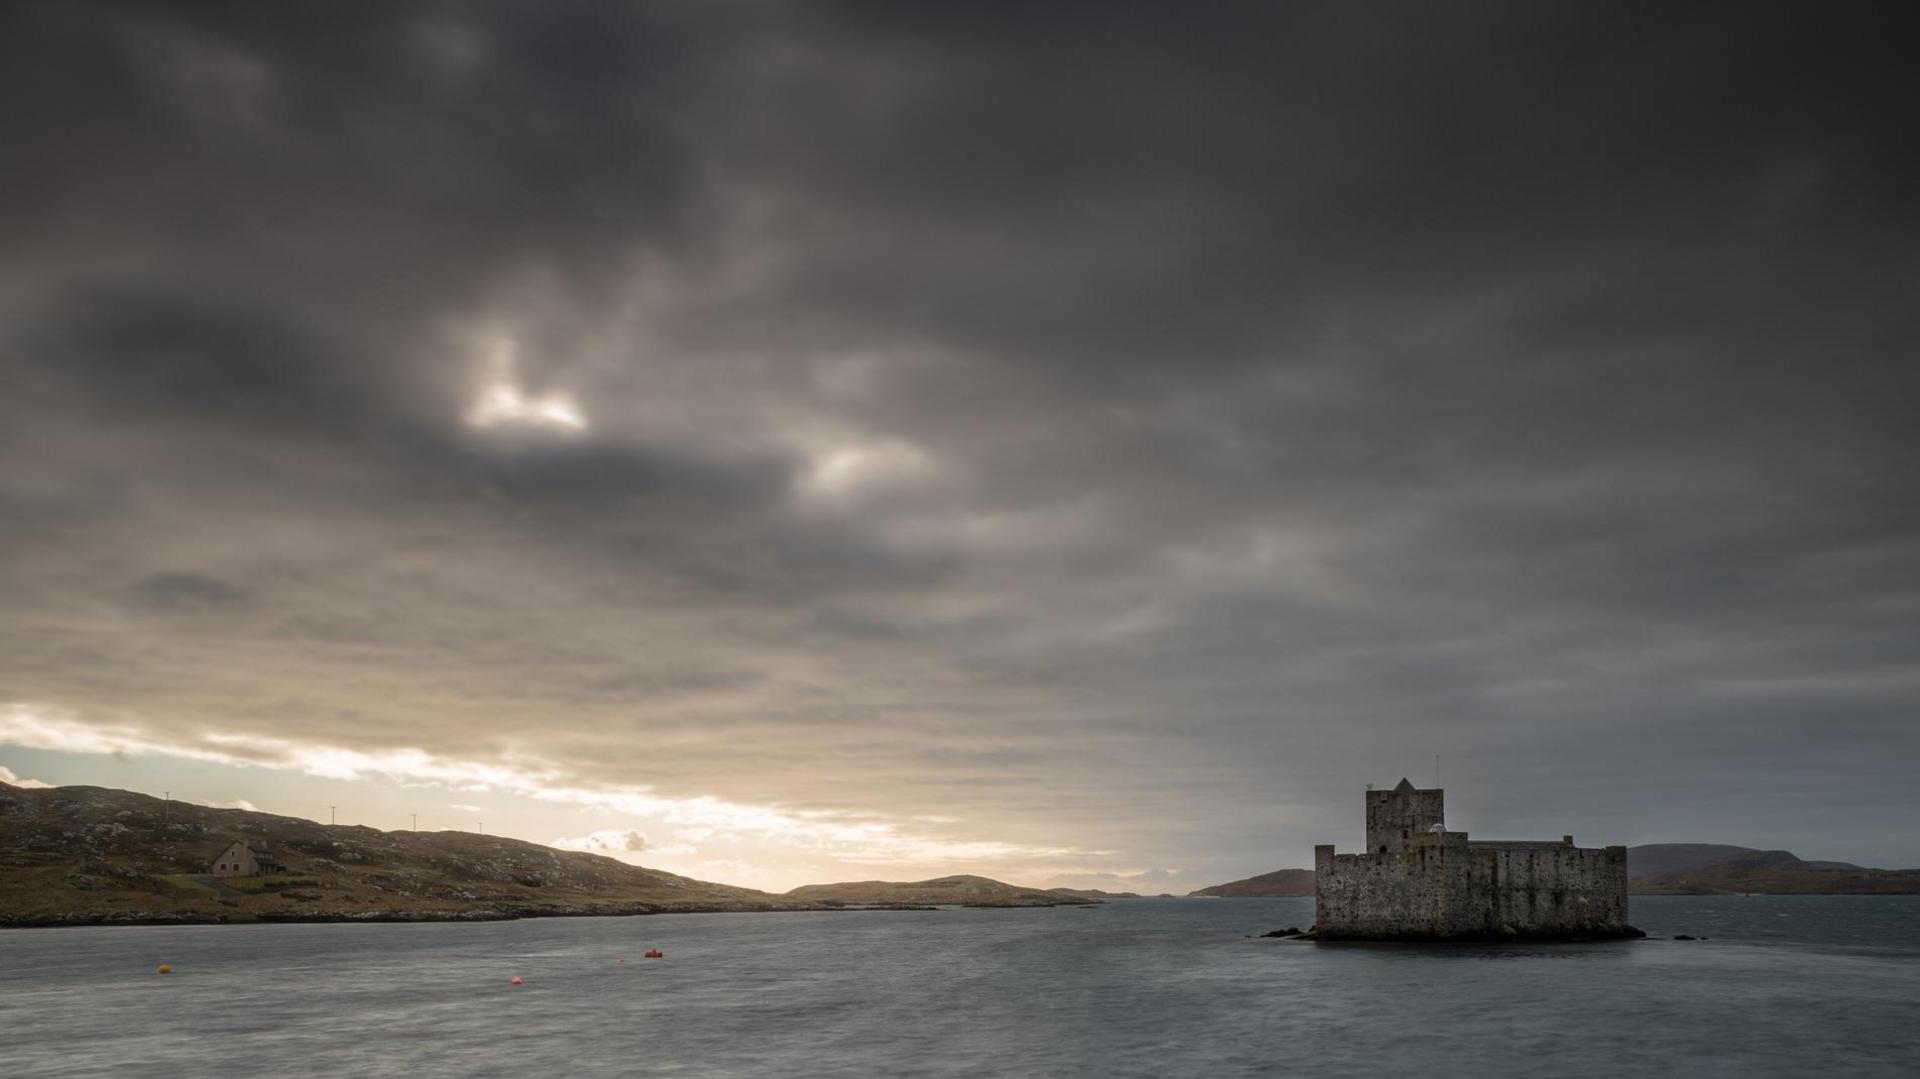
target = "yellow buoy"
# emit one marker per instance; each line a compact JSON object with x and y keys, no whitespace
{"x":165,"y":969}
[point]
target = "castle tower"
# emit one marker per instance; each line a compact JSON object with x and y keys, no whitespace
{"x":1394,"y":817}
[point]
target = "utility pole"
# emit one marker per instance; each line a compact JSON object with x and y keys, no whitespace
{"x":168,"y":797}
{"x":482,"y":826}
{"x":416,"y":822}
{"x":330,"y":810}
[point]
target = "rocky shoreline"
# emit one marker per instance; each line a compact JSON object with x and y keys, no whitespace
{"x":483,"y":914}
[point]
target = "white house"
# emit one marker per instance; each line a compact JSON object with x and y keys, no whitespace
{"x":245,"y":858}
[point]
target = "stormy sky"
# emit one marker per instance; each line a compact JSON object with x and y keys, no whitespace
{"x":1078,"y":443}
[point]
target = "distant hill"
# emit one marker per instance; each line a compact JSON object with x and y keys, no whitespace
{"x":1665,"y":859}
{"x":76,"y":855}
{"x":1092,"y":893}
{"x":1277,"y":883}
{"x":1769,"y":872}
{"x":962,"y":890}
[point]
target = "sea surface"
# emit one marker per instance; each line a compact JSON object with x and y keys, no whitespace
{"x":1825,"y":986}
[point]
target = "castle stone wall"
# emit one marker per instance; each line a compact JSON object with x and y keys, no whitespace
{"x":1437,"y":885}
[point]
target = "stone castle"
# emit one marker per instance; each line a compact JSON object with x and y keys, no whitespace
{"x":1418,"y":881}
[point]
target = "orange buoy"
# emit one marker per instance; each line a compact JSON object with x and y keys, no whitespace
{"x":516,"y":979}
{"x":165,"y":969}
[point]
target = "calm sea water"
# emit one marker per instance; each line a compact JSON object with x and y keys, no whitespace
{"x":1787,"y":986}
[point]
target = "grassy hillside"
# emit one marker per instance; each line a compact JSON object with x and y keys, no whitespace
{"x":74,"y":855}
{"x":963,"y":890}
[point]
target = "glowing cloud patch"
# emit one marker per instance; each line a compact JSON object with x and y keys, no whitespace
{"x":7,"y":776}
{"x":619,"y":841}
{"x":506,"y":404}
{"x":850,"y":470}
{"x":605,"y":841}
{"x":836,"y":835}
{"x":503,"y":402}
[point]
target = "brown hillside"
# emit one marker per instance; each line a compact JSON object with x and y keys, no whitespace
{"x":1778,"y":872}
{"x":73,"y":855}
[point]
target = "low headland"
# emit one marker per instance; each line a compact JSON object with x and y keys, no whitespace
{"x":1280,"y":882}
{"x":962,"y":890}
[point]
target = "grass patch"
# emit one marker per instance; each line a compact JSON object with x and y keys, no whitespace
{"x":257,"y":885}
{"x":187,"y":883}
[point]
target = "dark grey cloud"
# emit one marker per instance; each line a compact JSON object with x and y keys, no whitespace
{"x":188,"y":590}
{"x":1113,"y":427}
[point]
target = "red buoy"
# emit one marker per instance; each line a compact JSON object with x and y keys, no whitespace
{"x":655,"y":953}
{"x":516,"y":979}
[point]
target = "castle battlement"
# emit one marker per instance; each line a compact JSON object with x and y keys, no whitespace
{"x":1418,"y":881}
